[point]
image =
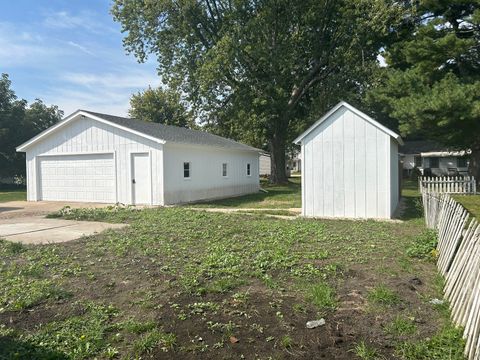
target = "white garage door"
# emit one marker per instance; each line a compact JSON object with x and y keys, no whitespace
{"x":89,"y":178}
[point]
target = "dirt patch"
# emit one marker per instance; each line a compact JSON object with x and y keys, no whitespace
{"x":237,"y":290}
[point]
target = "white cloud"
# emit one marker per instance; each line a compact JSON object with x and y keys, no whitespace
{"x":109,"y":92}
{"x":73,"y":71}
{"x":123,"y":78}
{"x":80,"y":47}
{"x":22,"y":47}
{"x":83,"y":20}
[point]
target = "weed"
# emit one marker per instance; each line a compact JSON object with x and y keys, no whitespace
{"x":136,"y":327}
{"x":382,"y":295}
{"x":241,"y":298}
{"x":8,"y":248}
{"x":286,"y":342}
{"x":322,"y":296}
{"x":152,"y":339}
{"x":401,"y":326}
{"x":20,"y":292}
{"x":446,"y":344}
{"x":80,"y":337}
{"x":424,"y":246}
{"x":365,"y":352}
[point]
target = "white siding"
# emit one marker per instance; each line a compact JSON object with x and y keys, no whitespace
{"x":347,"y":169}
{"x":395,"y":176}
{"x":206,"y":180}
{"x":88,"y":136}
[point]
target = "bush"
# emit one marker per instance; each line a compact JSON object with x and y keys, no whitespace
{"x":424,"y":246}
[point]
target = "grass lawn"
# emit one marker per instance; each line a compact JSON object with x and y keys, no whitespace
{"x":276,"y":197}
{"x":185,"y":284}
{"x":471,"y":203}
{"x":12,"y":195}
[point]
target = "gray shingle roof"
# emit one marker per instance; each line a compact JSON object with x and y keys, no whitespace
{"x":171,"y":133}
{"x":419,"y":146}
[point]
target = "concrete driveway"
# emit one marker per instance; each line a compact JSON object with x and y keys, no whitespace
{"x":25,"y":222}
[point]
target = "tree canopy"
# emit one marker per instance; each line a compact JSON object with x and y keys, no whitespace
{"x":260,"y":70}
{"x":160,"y":106}
{"x":18,"y":123}
{"x":431,"y":85}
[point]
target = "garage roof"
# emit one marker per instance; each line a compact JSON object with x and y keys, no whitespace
{"x":160,"y":132}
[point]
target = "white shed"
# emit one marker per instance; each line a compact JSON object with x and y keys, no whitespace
{"x":93,"y":157}
{"x":350,"y":166}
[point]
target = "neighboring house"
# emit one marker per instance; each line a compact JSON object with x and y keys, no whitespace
{"x":350,"y":166}
{"x":265,"y":164}
{"x":294,"y":161}
{"x":431,"y":158}
{"x":96,"y":157}
{"x":292,"y":164}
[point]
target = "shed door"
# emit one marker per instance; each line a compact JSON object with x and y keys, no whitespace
{"x":89,"y":178}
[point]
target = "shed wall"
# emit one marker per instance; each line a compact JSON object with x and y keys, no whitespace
{"x":206,"y":180}
{"x":88,"y":136}
{"x":346,"y":169}
{"x":394,"y":176}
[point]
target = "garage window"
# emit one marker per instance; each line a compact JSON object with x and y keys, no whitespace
{"x":186,"y":170}
{"x":249,"y":172}
{"x":224,"y":169}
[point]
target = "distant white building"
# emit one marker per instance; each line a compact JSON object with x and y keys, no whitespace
{"x":294,"y":161}
{"x":431,"y":158}
{"x":293,"y":164}
{"x":265,"y":164}
{"x":92,"y":157}
{"x":350,"y":166}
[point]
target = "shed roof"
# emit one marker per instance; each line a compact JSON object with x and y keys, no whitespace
{"x":162,"y":133}
{"x":364,"y":116}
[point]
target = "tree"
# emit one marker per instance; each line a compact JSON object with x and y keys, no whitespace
{"x":160,"y":106}
{"x":431,"y":85}
{"x":255,"y":67}
{"x":18,"y":123}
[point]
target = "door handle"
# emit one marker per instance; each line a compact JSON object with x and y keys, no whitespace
{"x":133,"y":181}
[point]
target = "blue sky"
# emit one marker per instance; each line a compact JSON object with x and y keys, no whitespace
{"x":70,"y":53}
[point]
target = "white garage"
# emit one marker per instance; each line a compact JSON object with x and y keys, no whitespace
{"x":350,"y":166}
{"x":93,"y":157}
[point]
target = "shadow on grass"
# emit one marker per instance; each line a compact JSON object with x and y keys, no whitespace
{"x":412,"y":199}
{"x":11,"y":348}
{"x":285,"y":196}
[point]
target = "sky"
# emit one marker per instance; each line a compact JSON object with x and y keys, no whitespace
{"x":69,"y":53}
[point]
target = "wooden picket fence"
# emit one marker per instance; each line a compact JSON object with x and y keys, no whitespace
{"x":447,"y":184}
{"x":459,"y":262}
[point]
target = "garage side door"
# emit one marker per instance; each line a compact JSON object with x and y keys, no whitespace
{"x":89,"y":178}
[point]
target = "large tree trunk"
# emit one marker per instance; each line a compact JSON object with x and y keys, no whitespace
{"x":278,"y":173}
{"x":474,"y":167}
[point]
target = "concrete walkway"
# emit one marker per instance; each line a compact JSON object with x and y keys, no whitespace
{"x":16,"y":209}
{"x":39,"y":230}
{"x":23,"y":221}
{"x":252,"y":211}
